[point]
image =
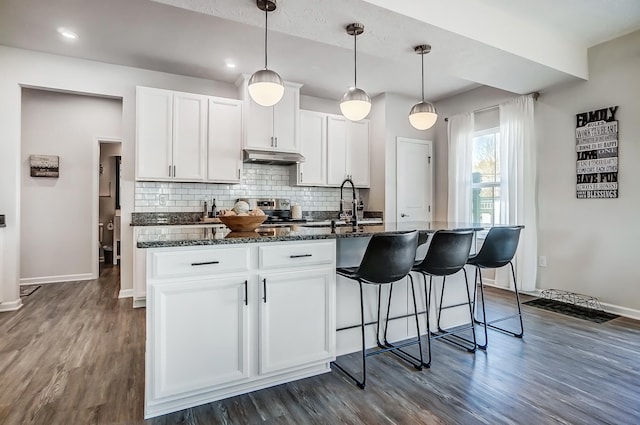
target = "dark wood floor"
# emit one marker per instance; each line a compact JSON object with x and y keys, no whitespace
{"x":74,"y":354}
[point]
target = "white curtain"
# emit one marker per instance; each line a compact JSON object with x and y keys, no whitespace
{"x":518,"y":185}
{"x":460,"y":132}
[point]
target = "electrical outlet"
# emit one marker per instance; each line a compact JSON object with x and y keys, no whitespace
{"x":162,"y":200}
{"x":542,"y":261}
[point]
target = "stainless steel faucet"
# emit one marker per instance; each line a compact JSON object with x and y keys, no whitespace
{"x":354,"y":210}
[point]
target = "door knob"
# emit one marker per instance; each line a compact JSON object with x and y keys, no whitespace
{"x":404,"y":215}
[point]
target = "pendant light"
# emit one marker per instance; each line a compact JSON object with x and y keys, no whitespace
{"x":356,"y":103}
{"x":265,"y":86}
{"x":423,"y":115}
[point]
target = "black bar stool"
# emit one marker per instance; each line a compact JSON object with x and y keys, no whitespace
{"x":387,"y":259}
{"x":447,"y":255}
{"x":497,"y":251}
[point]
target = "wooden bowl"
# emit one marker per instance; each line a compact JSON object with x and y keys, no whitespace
{"x":243,"y":223}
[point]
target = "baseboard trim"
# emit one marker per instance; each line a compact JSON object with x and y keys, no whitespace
{"x":126,"y":293}
{"x":56,"y":279}
{"x":11,"y":305}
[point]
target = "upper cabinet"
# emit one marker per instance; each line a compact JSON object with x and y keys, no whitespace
{"x":274,"y":127}
{"x":313,"y":146}
{"x":224,"y":156}
{"x":347,"y":151}
{"x":187,"y":137}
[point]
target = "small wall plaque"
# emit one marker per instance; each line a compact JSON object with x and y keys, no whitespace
{"x":44,"y":165}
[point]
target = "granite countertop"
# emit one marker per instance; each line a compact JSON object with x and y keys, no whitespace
{"x":190,"y":236}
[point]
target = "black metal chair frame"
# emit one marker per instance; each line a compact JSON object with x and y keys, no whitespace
{"x":449,"y":335}
{"x":384,"y":346}
{"x":479,"y":283}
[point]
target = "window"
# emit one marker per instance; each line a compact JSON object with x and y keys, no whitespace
{"x":485,"y":187}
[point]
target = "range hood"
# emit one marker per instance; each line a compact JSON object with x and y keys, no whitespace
{"x":271,"y":157}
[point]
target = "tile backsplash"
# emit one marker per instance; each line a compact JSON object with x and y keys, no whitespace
{"x":258,"y":181}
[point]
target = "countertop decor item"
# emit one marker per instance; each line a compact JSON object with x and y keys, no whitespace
{"x":242,"y":223}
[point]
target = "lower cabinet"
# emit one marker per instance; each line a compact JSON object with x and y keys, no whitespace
{"x":229,"y":319}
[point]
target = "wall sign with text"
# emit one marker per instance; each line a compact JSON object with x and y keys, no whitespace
{"x":597,"y":149}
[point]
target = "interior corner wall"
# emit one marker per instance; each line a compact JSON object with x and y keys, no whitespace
{"x":590,"y":244}
{"x":57,"y":213}
{"x":24,"y":68}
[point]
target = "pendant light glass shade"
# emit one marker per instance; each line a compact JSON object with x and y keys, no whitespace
{"x":265,"y":86}
{"x":423,"y":115}
{"x":355,"y":103}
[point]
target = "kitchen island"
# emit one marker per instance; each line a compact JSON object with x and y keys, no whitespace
{"x":231,"y":313}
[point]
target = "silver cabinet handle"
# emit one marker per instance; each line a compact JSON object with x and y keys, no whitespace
{"x":276,"y":142}
{"x":169,"y":170}
{"x":174,"y":171}
{"x":238,"y":173}
{"x":205,"y":263}
{"x":301,"y":179}
{"x":300,"y":256}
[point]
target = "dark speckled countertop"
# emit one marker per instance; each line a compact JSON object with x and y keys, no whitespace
{"x":190,"y":236}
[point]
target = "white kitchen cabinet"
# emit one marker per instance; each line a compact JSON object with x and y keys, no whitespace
{"x":274,"y":127}
{"x":199,"y":332}
{"x":347,"y":151}
{"x":296,"y":319}
{"x":224,"y":320}
{"x":313,"y":146}
{"x":171,"y":135}
{"x":224,"y":147}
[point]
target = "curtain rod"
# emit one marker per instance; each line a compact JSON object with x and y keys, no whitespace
{"x":535,"y":96}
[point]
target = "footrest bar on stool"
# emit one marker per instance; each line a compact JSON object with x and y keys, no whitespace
{"x":471,"y":347}
{"x":360,"y":384}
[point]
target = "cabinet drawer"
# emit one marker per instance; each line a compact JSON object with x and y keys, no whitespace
{"x":199,"y":262}
{"x":292,"y":255}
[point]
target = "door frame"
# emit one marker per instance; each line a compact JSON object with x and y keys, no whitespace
{"x":95,"y":210}
{"x":429,"y":143}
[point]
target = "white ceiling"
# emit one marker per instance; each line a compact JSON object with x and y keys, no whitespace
{"x":515,"y":45}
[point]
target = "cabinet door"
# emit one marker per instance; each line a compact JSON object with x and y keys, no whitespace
{"x":189,"y":136}
{"x":358,"y":142}
{"x":284,"y":120}
{"x":313,"y":146}
{"x":297,"y":318}
{"x":154,"y":128}
{"x":224,"y":147}
{"x":336,"y":149}
{"x":259,"y":126}
{"x":198,"y":335}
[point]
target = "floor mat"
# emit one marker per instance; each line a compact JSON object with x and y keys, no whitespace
{"x":25,"y":291}
{"x":572,"y":310}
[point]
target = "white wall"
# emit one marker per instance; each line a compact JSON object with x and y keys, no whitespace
{"x":590,"y":244}
{"x":32,"y":69}
{"x":57,"y":213}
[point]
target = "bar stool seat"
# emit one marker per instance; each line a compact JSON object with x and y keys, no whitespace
{"x":497,"y":251}
{"x":388,"y":258}
{"x":447,"y":254}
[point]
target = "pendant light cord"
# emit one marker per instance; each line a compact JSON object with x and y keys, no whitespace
{"x":266,"y":17}
{"x":355,"y":60}
{"x":422,"y":55}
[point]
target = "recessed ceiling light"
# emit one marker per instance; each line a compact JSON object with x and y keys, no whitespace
{"x":231,"y":65}
{"x":68,"y":34}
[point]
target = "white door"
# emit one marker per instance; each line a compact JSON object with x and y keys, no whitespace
{"x":414,"y":181}
{"x":207,"y":346}
{"x":189,"y":136}
{"x":313,"y":146}
{"x":224,"y":147}
{"x":295,"y":318}
{"x":154,"y":133}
